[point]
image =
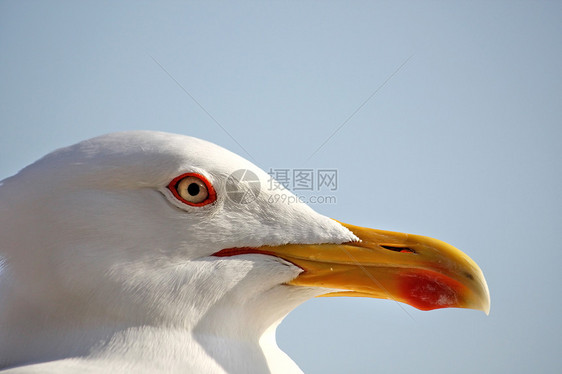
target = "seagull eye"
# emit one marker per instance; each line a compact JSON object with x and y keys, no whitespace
{"x":193,"y":189}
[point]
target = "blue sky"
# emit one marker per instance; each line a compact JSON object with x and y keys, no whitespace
{"x":460,"y":141}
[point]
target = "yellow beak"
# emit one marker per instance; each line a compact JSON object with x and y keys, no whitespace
{"x":420,"y":271}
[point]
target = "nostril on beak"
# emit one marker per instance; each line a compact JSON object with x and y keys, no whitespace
{"x":398,"y":248}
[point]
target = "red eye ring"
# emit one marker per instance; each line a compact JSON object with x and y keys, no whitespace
{"x":173,"y":187}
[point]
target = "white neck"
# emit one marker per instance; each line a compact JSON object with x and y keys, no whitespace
{"x":231,"y":335}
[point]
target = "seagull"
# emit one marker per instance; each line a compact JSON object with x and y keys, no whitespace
{"x":150,"y":252}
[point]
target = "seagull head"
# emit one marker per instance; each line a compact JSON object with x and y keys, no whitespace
{"x":154,"y":229}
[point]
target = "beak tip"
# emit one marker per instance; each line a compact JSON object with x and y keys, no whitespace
{"x":485,"y":305}
{"x":485,"y":296}
{"x":486,"y":309}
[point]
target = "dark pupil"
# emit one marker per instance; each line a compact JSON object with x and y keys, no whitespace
{"x":193,"y":189}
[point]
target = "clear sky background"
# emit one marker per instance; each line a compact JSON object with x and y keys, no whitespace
{"x":462,"y":143}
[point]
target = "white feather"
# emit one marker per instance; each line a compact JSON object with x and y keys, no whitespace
{"x":103,"y":270}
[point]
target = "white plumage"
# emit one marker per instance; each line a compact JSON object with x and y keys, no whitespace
{"x":103,"y":264}
{"x":103,"y":269}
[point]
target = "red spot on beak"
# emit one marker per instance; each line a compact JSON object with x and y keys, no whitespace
{"x":427,"y":290}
